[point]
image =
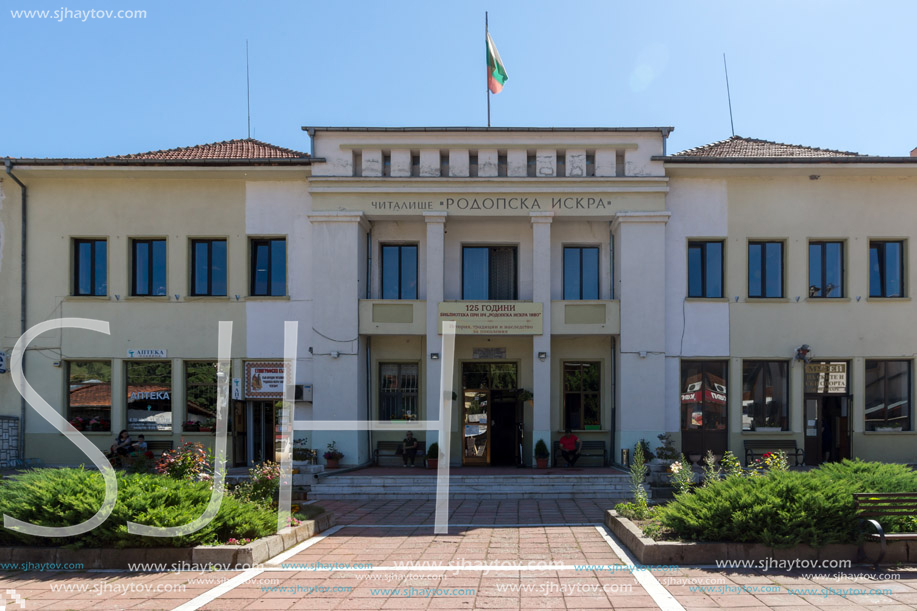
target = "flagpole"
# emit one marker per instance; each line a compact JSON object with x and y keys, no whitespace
{"x":486,"y":81}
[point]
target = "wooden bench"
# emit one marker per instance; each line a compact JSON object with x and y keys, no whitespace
{"x":870,"y":505}
{"x":389,"y":449}
{"x":589,"y":449}
{"x":761,"y":447}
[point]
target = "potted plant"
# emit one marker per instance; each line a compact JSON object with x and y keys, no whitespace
{"x":433,"y":456}
{"x":78,"y":423}
{"x":301,"y":452}
{"x":333,"y":456}
{"x":526,"y":396}
{"x":191,"y":426}
{"x":208,"y":426}
{"x":541,"y":454}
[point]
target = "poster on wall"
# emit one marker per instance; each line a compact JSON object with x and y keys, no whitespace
{"x":264,"y":380}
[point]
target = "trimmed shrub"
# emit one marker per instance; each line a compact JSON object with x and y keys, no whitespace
{"x":65,"y":497}
{"x":784,"y":509}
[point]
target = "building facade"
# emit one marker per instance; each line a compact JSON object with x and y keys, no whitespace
{"x":743,"y":290}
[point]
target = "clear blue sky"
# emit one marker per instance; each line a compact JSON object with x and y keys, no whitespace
{"x":824,"y":73}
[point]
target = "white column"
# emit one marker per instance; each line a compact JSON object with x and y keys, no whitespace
{"x":640,"y":266}
{"x":338,"y":359}
{"x":541,"y":292}
{"x":435,"y":261}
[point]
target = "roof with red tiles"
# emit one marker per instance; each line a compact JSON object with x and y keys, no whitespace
{"x":247,"y":148}
{"x":740,"y":147}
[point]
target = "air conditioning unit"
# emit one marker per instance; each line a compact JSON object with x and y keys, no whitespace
{"x":303,"y":392}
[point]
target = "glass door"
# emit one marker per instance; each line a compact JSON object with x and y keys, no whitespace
{"x":476,"y":426}
{"x":262,"y":427}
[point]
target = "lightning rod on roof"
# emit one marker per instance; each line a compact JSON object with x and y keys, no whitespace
{"x":248,"y":91}
{"x":729,"y":97}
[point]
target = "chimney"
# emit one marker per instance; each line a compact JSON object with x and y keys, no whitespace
{"x":914,"y":152}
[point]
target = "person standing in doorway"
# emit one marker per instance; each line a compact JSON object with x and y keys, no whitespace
{"x":570,"y":447}
{"x":409,"y":449}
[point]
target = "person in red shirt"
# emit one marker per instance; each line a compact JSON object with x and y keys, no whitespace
{"x":570,"y":447}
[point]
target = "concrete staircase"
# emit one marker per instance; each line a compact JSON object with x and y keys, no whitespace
{"x":480,"y":487}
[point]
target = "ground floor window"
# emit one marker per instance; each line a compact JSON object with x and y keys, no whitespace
{"x":888,"y":395}
{"x":200,"y":395}
{"x":703,"y":395}
{"x":764,"y":395}
{"x":398,"y":391}
{"x":149,"y":396}
{"x":582,"y":395}
{"x":89,"y":396}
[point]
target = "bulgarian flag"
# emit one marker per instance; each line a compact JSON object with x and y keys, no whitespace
{"x":496,"y":73}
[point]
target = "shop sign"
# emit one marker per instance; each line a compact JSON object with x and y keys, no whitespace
{"x":825,"y":378}
{"x":492,"y":317}
{"x":264,"y":380}
{"x":237,"y":389}
{"x":147,"y":353}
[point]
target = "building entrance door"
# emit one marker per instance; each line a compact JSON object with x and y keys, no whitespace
{"x":489,"y":413}
{"x":827,"y":429}
{"x":261,"y":426}
{"x":827,"y":412}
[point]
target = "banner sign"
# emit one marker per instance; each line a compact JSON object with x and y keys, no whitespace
{"x":826,"y":378}
{"x":264,"y":380}
{"x":492,"y":317}
{"x":147,"y":353}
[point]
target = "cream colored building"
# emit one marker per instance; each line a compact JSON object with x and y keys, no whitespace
{"x":598,"y":284}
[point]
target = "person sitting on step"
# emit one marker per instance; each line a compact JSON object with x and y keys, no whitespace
{"x":409,"y":449}
{"x":570,"y":447}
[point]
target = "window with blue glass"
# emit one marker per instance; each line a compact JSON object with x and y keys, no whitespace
{"x":208,"y":267}
{"x":90,"y":267}
{"x":148,"y":268}
{"x":269,"y":267}
{"x":705,"y":269}
{"x":886,"y":268}
{"x":765,"y":269}
{"x":489,"y":272}
{"x":826,"y":270}
{"x":581,"y":272}
{"x":399,"y":271}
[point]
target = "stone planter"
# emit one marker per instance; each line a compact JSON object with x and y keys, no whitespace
{"x":542,"y":463}
{"x":333,"y":463}
{"x":659,"y":469}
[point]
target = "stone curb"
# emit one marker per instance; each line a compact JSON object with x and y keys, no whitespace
{"x":650,"y":552}
{"x":234,"y":557}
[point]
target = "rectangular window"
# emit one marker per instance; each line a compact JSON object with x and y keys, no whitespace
{"x":531,"y":165}
{"x":444,"y":163}
{"x":208,"y":267}
{"x":473,"y":164}
{"x":149,"y":396}
{"x":705,"y":269}
{"x":765,"y":269}
{"x":399,"y":272}
{"x":148,"y":267}
{"x":765,"y":388}
{"x":386,"y":164}
{"x":888,"y":395}
{"x":590,"y":163}
{"x":581,"y":272}
{"x":886,"y":269}
{"x":501,"y":164}
{"x":398,"y":391}
{"x":269,"y":267}
{"x":703,"y":395}
{"x":826,"y":269}
{"x":582,"y":395}
{"x":201,"y":393}
{"x":489,"y":272}
{"x":560,"y":168}
{"x":89,"y":396}
{"x":90,"y":267}
{"x":415,"y":164}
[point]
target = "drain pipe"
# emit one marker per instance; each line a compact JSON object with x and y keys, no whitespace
{"x":22,"y":295}
{"x":369,"y":360}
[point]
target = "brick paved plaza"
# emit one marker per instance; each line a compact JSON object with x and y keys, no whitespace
{"x":511,"y":554}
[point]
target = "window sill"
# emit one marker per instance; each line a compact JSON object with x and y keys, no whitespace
{"x":87,"y":298}
{"x":888,"y":432}
{"x":828,"y":299}
{"x":711,"y":299}
{"x":267,"y":298}
{"x":145,"y":298}
{"x":768,"y":432}
{"x":767,"y":300}
{"x":96,"y":433}
{"x":206,"y":298}
{"x":585,"y":431}
{"x":888,"y":299}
